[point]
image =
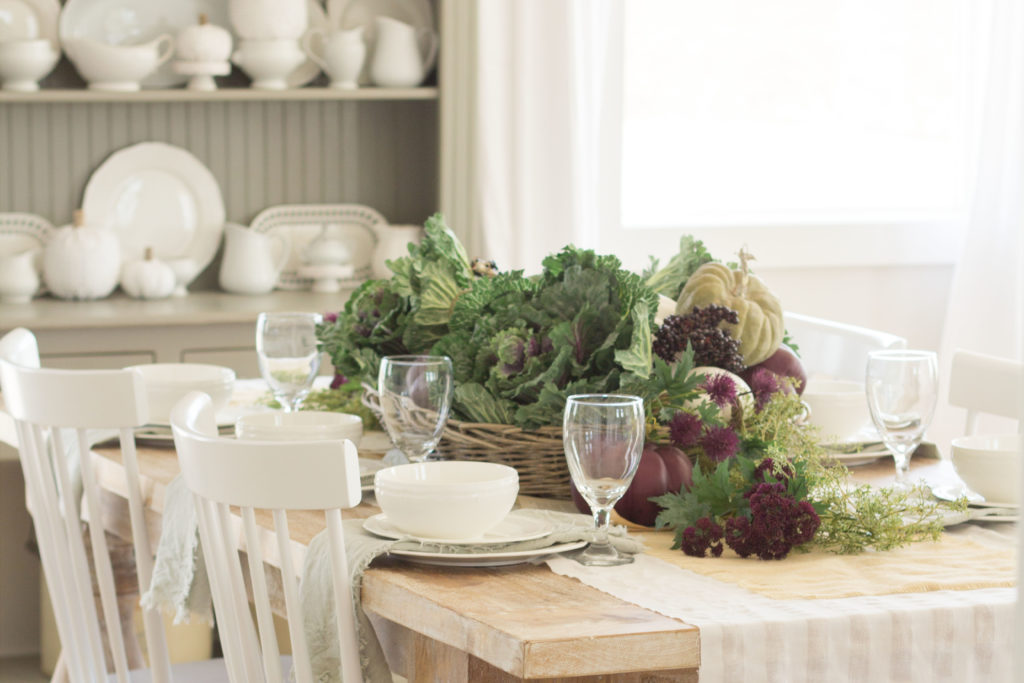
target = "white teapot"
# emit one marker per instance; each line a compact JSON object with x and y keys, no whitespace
{"x":402,"y":54}
{"x":251,"y":264}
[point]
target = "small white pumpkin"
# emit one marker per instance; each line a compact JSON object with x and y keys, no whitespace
{"x":743,"y":392}
{"x":204,"y":42}
{"x":148,"y":278}
{"x":82,"y":262}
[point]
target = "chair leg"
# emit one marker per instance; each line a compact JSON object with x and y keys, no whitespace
{"x":60,"y":671}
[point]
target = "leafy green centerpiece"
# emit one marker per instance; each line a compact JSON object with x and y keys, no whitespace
{"x":727,"y":462}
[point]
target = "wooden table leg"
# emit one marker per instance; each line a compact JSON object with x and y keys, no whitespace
{"x":126,"y":585}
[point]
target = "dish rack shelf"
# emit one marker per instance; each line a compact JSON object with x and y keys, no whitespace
{"x":82,"y":95}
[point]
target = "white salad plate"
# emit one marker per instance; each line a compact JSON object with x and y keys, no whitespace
{"x":131,"y":22}
{"x":160,"y":196}
{"x":29,"y":19}
{"x":354,"y":224}
{"x":349,"y":14}
{"x":514,"y":528}
{"x":499,"y":558}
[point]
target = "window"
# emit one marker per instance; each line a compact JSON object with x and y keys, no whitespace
{"x":807,"y":119}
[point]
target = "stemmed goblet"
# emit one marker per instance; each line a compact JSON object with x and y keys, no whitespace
{"x":902,"y":389}
{"x":289,"y":355}
{"x":604,"y":437}
{"x":415,"y":397}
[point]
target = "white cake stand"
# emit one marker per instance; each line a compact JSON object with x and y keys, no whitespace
{"x":202,"y":73}
{"x":326,"y":277}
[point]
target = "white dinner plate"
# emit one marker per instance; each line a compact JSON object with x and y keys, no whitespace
{"x":29,"y":19}
{"x":356,"y":225}
{"x":514,"y":528}
{"x":20,"y":232}
{"x":161,"y":196}
{"x":495,"y":559}
{"x":349,"y":14}
{"x":952,"y":492}
{"x":131,"y":22}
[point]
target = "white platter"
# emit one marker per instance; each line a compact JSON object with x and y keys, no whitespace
{"x":512,"y":529}
{"x":23,"y":231}
{"x":160,"y":196}
{"x":495,"y":559}
{"x":131,"y":22}
{"x":355,"y":224}
{"x":29,"y":19}
{"x":349,"y":14}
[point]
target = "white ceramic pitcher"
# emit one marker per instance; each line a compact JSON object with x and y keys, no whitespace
{"x":19,"y":276}
{"x":252,"y":260}
{"x":402,"y":54}
{"x":342,"y":55}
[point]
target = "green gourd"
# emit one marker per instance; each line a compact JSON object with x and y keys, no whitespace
{"x":760,"y":326}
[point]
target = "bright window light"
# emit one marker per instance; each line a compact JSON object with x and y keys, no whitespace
{"x":745,"y":112}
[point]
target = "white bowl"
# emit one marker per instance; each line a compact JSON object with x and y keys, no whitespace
{"x":446,"y":499}
{"x":990,"y":465}
{"x":270,"y":62}
{"x":308,"y":425}
{"x":24,"y":62}
{"x":166,"y":383}
{"x":839,"y":408}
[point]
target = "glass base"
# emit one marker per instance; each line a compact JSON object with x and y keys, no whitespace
{"x":596,"y":555}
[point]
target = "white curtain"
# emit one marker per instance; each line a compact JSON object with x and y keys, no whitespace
{"x":546,"y":71}
{"x":986,"y":304}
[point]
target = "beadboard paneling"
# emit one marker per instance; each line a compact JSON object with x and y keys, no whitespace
{"x":379,"y":153}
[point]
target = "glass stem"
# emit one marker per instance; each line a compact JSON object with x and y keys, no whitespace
{"x":902,"y":466}
{"x":602,"y":518}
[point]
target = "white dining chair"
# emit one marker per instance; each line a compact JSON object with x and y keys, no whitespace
{"x":986,"y":384}
{"x":278,"y":476}
{"x":835,"y":350}
{"x":52,"y":411}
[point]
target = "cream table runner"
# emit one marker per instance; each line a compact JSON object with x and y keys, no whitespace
{"x":771,"y":628}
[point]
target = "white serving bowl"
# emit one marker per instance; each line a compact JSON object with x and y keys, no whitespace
{"x":24,"y":62}
{"x":446,"y":499}
{"x":270,"y":62}
{"x":307,"y":425}
{"x":990,"y":465}
{"x":839,"y":408}
{"x":166,"y":383}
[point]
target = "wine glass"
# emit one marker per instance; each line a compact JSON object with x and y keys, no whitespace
{"x":415,"y":397}
{"x":902,"y":389}
{"x":289,"y":356}
{"x":604,"y":437}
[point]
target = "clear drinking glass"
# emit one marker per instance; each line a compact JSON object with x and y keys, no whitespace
{"x":604,"y":437}
{"x":415,"y":397}
{"x":902,"y":389}
{"x":289,"y":356}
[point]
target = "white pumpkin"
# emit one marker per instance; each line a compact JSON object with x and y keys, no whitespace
{"x":148,"y":278}
{"x":82,"y":262}
{"x":204,"y":42}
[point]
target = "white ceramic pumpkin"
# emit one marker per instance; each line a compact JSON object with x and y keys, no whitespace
{"x":148,"y":278}
{"x":204,"y":42}
{"x":82,"y":261}
{"x":743,"y":392}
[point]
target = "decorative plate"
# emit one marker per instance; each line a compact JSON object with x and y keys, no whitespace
{"x":22,"y":231}
{"x":354,"y":223}
{"x":512,"y":529}
{"x":130,"y":22}
{"x":160,"y":196}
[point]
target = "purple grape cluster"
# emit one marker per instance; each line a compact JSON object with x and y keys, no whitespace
{"x":712,"y":345}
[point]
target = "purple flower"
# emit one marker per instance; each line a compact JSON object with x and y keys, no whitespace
{"x":338,"y":381}
{"x":720,"y":389}
{"x":764,"y":384}
{"x":684,"y":429}
{"x":703,"y":537}
{"x":330,"y":318}
{"x":720,"y":443}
